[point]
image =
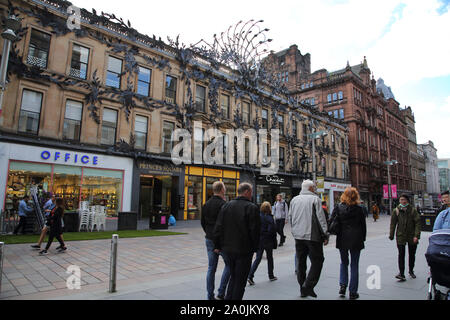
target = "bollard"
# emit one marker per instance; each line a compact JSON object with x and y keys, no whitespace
{"x":2,"y":251}
{"x":113,"y":264}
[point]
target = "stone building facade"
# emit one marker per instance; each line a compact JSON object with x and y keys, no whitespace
{"x":432,"y":174}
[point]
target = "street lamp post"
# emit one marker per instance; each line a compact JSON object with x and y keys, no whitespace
{"x":9,"y":35}
{"x":314,"y":136}
{"x":389,"y":164}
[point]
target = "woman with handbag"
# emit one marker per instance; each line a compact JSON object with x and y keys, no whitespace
{"x":267,"y":242}
{"x":348,"y":222}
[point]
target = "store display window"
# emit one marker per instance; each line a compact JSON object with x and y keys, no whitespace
{"x":195,"y":186}
{"x":230,"y":186}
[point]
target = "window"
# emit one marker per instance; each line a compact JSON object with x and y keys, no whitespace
{"x":168,"y":128}
{"x":313,"y":101}
{"x":329,"y":98}
{"x":38,"y":50}
{"x":305,"y":132}
{"x":80,"y":62}
{"x":341,"y":95}
{"x":281,"y":124}
{"x":72,"y":120}
{"x":343,"y":144}
{"x":330,"y":113}
{"x":265,"y":118}
{"x":336,"y":114}
{"x":335,"y":96}
{"x":294,"y":128}
{"x":303,"y":86}
{"x":295,"y":164}
{"x":335,"y":168}
{"x":341,"y":114}
{"x":144,"y":79}
{"x":344,"y":171}
{"x":333,"y":142}
{"x":246,"y":113}
{"x":200,"y":98}
{"x":281,"y":158}
{"x":171,"y":89}
{"x":225,"y":106}
{"x":30,"y":111}
{"x":311,"y":84}
{"x":109,"y":127}
{"x":114,"y":72}
{"x":140,"y":132}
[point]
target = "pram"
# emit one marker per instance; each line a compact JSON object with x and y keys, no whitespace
{"x":438,"y":258}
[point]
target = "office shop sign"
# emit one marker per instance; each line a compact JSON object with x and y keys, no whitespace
{"x":70,"y":158}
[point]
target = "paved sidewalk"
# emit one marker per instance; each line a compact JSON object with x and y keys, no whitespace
{"x":174,"y":268}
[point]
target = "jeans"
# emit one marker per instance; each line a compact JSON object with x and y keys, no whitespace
{"x":240,"y":265}
{"x":412,"y":248}
{"x":259,"y":255}
{"x":354,"y":269}
{"x":213,"y":259}
{"x":280,"y":223}
{"x":22,"y":224}
{"x":314,"y":250}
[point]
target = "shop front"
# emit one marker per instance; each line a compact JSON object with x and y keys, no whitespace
{"x":72,"y":175}
{"x":268,"y":187}
{"x":333,"y":193}
{"x":158,"y":189}
{"x":198,"y":183}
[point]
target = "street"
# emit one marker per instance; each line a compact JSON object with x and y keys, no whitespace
{"x":174,"y":268}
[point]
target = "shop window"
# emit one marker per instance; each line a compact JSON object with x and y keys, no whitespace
{"x":225,"y":106}
{"x":109,"y":127}
{"x":103,"y":188}
{"x":140,"y":132}
{"x":194,"y":194}
{"x":265,"y":118}
{"x":168,"y":128}
{"x":200,"y":98}
{"x":72,"y":120}
{"x":113,"y":75}
{"x":39,"y":49}
{"x":80,"y":62}
{"x":246,"y":116}
{"x":230,"y":185}
{"x":30,"y":112}
{"x":171,"y":89}
{"x":144,"y":79}
{"x":66,"y":185}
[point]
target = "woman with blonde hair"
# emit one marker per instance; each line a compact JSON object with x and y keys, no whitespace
{"x":267,"y":242}
{"x":351,"y":235}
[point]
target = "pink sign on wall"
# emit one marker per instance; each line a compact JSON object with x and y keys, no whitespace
{"x":386,"y":191}
{"x":394,"y":191}
{"x":163,"y":220}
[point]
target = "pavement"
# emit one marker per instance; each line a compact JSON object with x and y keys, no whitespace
{"x":174,"y":268}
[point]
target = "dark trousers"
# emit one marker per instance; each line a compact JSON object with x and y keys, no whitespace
{"x":313,"y":250}
{"x":22,"y":224}
{"x":51,"y":237}
{"x":280,"y":223}
{"x":354,"y":269}
{"x":412,"y":248}
{"x":259,"y":255}
{"x":240,"y":265}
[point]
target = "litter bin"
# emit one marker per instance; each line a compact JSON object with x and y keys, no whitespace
{"x":127,"y":221}
{"x":427,"y":222}
{"x":159,"y":221}
{"x":71,"y":221}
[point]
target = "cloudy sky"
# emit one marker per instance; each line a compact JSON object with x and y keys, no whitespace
{"x":407,"y":43}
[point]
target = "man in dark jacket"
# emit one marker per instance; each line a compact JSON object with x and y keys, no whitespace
{"x":406,"y":220}
{"x":237,"y":234}
{"x":210,"y":212}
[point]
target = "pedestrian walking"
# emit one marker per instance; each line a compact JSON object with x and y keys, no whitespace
{"x":210,"y":212}
{"x":375,"y":212}
{"x":280,"y":212}
{"x":310,"y":231}
{"x":24,"y":209}
{"x":267,"y":243}
{"x":443,"y":219}
{"x":350,"y":239}
{"x":56,"y":229}
{"x":237,"y":234}
{"x":405,"y":224}
{"x":48,"y":207}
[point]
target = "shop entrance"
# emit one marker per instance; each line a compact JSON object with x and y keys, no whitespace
{"x":156,"y":195}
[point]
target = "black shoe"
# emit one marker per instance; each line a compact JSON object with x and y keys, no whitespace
{"x":342,"y":291}
{"x":36,"y":247}
{"x":412,"y":275}
{"x":220,"y":298}
{"x":400,"y":277}
{"x":280,"y":245}
{"x":62,"y":250}
{"x":58,"y":248}
{"x":273,"y":278}
{"x":251,"y":282}
{"x":354,"y":296}
{"x":43,"y":252}
{"x":308,"y":293}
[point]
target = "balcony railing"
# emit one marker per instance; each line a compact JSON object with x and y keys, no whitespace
{"x":37,"y":62}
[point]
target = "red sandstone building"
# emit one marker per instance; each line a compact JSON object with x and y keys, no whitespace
{"x":377,"y":129}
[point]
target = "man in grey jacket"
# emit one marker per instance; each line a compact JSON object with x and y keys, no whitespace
{"x":310,"y":231}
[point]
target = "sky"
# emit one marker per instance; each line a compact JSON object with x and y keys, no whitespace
{"x":407,"y":43}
